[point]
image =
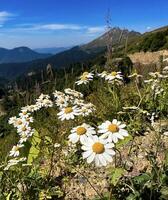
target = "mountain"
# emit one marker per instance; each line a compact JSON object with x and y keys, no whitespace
{"x":115,"y":36}
{"x":150,"y":41}
{"x":19,"y":55}
{"x":52,"y":50}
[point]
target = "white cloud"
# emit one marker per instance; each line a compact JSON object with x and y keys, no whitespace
{"x":59,"y":27}
{"x":148,"y":28}
{"x":4,"y":16}
{"x":96,"y":29}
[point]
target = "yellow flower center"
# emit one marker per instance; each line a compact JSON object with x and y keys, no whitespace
{"x":113,"y":73}
{"x":61,"y":101}
{"x":85,"y":73}
{"x":113,"y":128}
{"x":98,"y":148}
{"x":24,"y":128}
{"x":24,"y":112}
{"x":16,"y":148}
{"x":81,"y":130}
{"x":28,"y":119}
{"x":84,"y":76}
{"x":68,"y":110}
{"x":19,"y":122}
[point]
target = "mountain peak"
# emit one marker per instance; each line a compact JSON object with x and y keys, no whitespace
{"x":115,"y":35}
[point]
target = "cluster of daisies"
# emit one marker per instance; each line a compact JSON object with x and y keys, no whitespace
{"x":155,"y":82}
{"x":23,"y":127}
{"x":71,"y":104}
{"x":112,"y":77}
{"x":98,"y":143}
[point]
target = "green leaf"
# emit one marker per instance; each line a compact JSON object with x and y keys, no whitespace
{"x":164,"y":192}
{"x":8,"y":197}
{"x":48,"y":140}
{"x":116,"y":174}
{"x":134,"y":196}
{"x":166,"y":158}
{"x":142,"y":179}
{"x":35,"y":146}
{"x":124,"y":141}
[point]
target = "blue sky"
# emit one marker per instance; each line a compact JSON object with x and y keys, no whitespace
{"x":56,"y":23}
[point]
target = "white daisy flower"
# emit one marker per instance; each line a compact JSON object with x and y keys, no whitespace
{"x":68,"y":113}
{"x":57,"y":145}
{"x":31,"y":108}
{"x":18,"y":122}
{"x":87,"y":109}
{"x":23,"y":138}
{"x":15,"y":150}
{"x":98,"y":150}
{"x":12,"y":120}
{"x":81,"y":133}
{"x":112,"y":130}
{"x":44,"y":96}
{"x":135,"y":75}
{"x":28,"y":120}
{"x":24,"y":129}
{"x":114,"y":75}
{"x":62,"y":101}
{"x":13,"y":162}
{"x":58,"y":94}
{"x":74,"y":93}
{"x":24,"y":114}
{"x":103,"y":74}
{"x":85,"y":78}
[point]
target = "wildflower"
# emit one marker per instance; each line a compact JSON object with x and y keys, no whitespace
{"x":29,"y":120}
{"x":62,"y":101}
{"x":85,"y":78}
{"x":79,"y":102}
{"x":44,"y":96}
{"x":165,"y":70}
{"x":114,"y":75}
{"x":68,"y":113}
{"x":13,"y":162}
{"x":47,"y":103}
{"x":98,"y":150}
{"x":15,"y":150}
{"x":57,"y":145}
{"x":103,"y":74}
{"x":18,"y":122}
{"x":24,"y":113}
{"x":12,"y":120}
{"x":31,"y":108}
{"x":81,"y":133}
{"x":58,"y":94}
{"x":135,"y":75}
{"x":24,"y":137}
{"x":24,"y":129}
{"x":165,"y":133}
{"x":112,"y":130}
{"x":44,"y":101}
{"x":86,"y":109}
{"x":74,"y":93}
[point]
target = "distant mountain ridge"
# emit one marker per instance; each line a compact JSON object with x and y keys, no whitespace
{"x":116,"y":37}
{"x":52,"y":50}
{"x":19,"y":55}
